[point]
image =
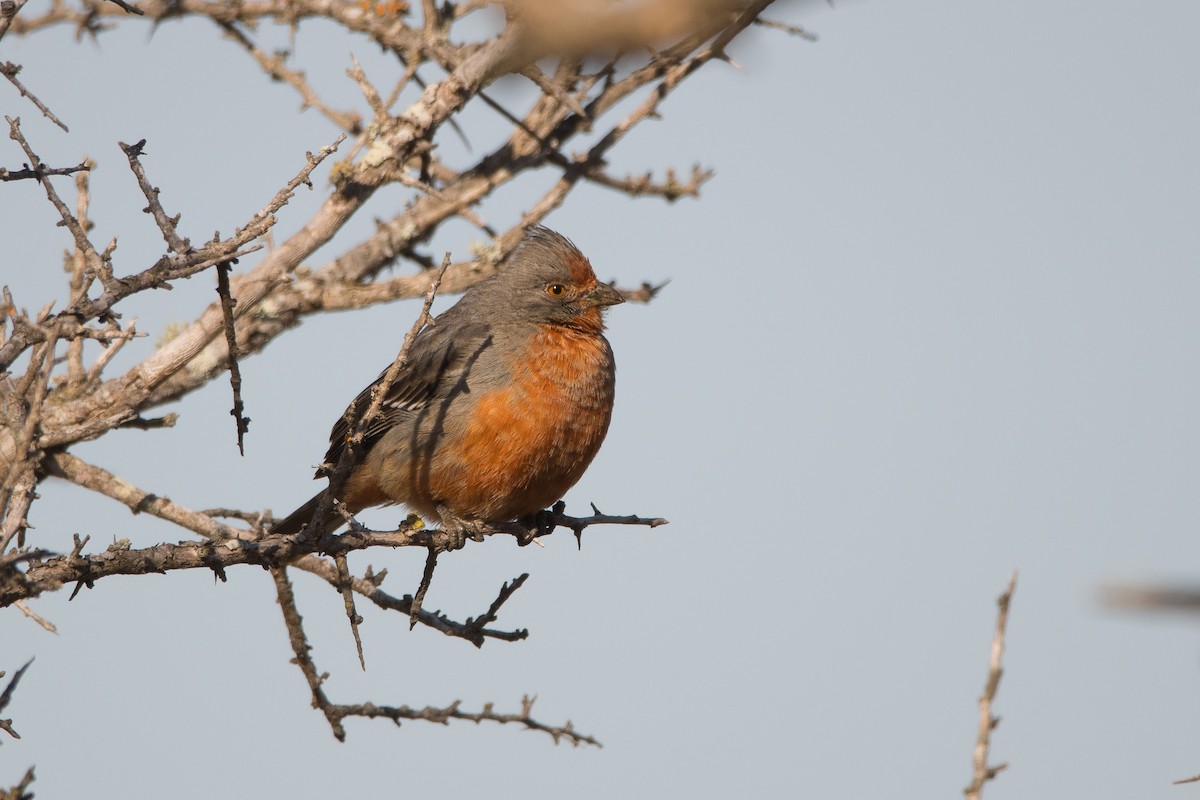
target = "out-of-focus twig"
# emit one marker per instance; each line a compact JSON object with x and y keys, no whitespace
{"x":984,"y":772}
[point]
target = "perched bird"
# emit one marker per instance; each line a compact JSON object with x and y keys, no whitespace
{"x":502,"y":403}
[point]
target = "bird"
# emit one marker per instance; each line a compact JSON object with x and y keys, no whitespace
{"x":502,"y":403}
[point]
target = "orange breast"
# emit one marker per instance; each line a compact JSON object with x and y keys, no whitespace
{"x":527,"y":444}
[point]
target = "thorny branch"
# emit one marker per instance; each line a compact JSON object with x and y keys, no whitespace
{"x":235,"y":373}
{"x":27,"y":173}
{"x":228,"y":547}
{"x":335,"y":713}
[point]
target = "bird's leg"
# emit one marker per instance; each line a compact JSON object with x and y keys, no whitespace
{"x":540,"y":523}
{"x":460,"y":529}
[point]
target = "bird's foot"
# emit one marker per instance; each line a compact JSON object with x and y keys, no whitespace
{"x":540,"y":523}
{"x":460,"y":529}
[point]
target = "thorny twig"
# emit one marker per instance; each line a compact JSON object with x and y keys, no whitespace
{"x":335,"y":713}
{"x":167,"y":225}
{"x":27,"y":173}
{"x":347,"y":590}
{"x":235,"y":373}
{"x":414,"y":613}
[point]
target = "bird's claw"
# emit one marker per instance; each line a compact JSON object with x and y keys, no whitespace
{"x":459,"y":530}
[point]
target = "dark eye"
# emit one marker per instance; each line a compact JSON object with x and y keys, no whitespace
{"x":556,"y":289}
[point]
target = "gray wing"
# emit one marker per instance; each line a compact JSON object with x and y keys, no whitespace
{"x":436,"y":364}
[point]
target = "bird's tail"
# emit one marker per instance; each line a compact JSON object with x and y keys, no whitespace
{"x":303,"y":515}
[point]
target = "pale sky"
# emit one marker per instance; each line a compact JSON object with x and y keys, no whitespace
{"x":933,"y":320}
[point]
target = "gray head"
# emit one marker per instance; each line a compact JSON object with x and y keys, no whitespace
{"x":546,"y":281}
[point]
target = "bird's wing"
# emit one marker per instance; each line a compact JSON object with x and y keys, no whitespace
{"x":436,"y":363}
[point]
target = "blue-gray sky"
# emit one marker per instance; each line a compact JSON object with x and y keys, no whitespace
{"x":933,"y":320}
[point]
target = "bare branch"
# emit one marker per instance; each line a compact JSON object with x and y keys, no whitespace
{"x":987,"y":722}
{"x":644,"y":185}
{"x":335,"y":713}
{"x":8,"y":11}
{"x":414,"y":613}
{"x":10,"y":70}
{"x":300,"y":646}
{"x":524,"y":718}
{"x":787,"y":27}
{"x":120,"y":399}
{"x":14,"y":505}
{"x":64,"y":465}
{"x":19,"y":792}
{"x":167,"y":225}
{"x":79,"y":282}
{"x":275,"y":66}
{"x":42,"y":172}
{"x":68,"y":219}
{"x":473,"y":630}
{"x":347,"y":590}
{"x":46,"y":624}
{"x":127,"y":7}
{"x":229,"y":547}
{"x":235,"y":374}
{"x":6,"y":698}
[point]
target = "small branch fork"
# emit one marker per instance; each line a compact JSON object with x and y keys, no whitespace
{"x":983,"y":772}
{"x":335,"y":713}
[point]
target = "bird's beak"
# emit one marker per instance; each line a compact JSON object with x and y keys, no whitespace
{"x":600,"y":295}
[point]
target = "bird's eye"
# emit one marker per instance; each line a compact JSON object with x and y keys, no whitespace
{"x":556,"y":289}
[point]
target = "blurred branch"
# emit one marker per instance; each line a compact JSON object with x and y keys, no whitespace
{"x":8,"y":11}
{"x":1152,"y":598}
{"x":6,"y":698}
{"x":1157,"y":599}
{"x":987,"y":721}
{"x":33,"y":615}
{"x":19,"y":792}
{"x":794,"y":30}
